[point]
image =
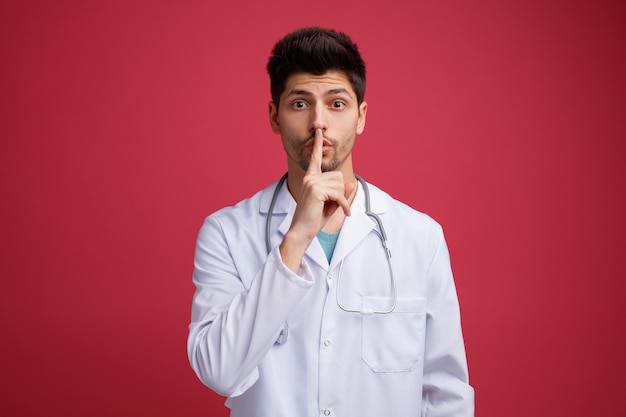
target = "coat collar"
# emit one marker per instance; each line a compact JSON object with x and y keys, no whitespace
{"x":354,"y":228}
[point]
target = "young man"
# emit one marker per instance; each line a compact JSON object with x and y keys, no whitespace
{"x":300,"y":309}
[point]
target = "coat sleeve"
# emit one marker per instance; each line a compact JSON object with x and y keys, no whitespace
{"x":446,"y":389}
{"x":232,"y":327}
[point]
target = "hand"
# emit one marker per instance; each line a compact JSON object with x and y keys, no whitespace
{"x":321,"y":194}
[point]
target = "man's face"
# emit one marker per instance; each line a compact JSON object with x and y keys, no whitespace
{"x":312,"y":102}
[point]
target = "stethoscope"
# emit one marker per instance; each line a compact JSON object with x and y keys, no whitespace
{"x":380,"y":232}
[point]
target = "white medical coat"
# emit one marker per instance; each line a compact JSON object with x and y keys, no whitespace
{"x":410,"y":362}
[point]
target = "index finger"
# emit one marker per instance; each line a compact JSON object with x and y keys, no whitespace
{"x":315,"y":164}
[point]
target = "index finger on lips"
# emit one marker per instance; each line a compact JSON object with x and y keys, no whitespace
{"x":315,"y":164}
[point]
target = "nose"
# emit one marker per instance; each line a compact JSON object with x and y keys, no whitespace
{"x":318,"y":118}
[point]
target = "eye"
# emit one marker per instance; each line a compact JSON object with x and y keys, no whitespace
{"x":298,"y":104}
{"x":337,"y":104}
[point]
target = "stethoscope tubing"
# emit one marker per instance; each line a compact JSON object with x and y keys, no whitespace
{"x":380,"y":232}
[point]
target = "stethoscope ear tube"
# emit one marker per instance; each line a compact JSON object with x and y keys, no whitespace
{"x":270,"y":211}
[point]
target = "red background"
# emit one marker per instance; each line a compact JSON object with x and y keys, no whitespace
{"x":125,"y":123}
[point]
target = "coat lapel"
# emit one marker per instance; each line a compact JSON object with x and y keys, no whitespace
{"x":354,"y":229}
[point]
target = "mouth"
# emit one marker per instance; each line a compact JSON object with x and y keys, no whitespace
{"x":325,"y":149}
{"x":326,"y":146}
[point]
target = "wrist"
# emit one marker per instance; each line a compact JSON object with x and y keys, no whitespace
{"x":292,"y":250}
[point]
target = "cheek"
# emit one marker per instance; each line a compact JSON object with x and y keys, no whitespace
{"x":289,"y":126}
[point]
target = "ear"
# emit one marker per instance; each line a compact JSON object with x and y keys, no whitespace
{"x":274,"y":117}
{"x":360,"y":124}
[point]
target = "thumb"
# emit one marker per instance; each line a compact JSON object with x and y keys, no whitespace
{"x":349,"y":188}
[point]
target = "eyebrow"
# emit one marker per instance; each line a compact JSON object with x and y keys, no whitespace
{"x":331,"y":92}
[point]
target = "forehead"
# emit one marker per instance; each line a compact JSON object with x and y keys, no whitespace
{"x":318,"y":84}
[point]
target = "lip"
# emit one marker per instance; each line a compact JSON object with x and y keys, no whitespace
{"x":326,"y":145}
{"x":325,"y":148}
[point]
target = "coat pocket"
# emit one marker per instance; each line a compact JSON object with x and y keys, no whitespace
{"x":393,"y":342}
